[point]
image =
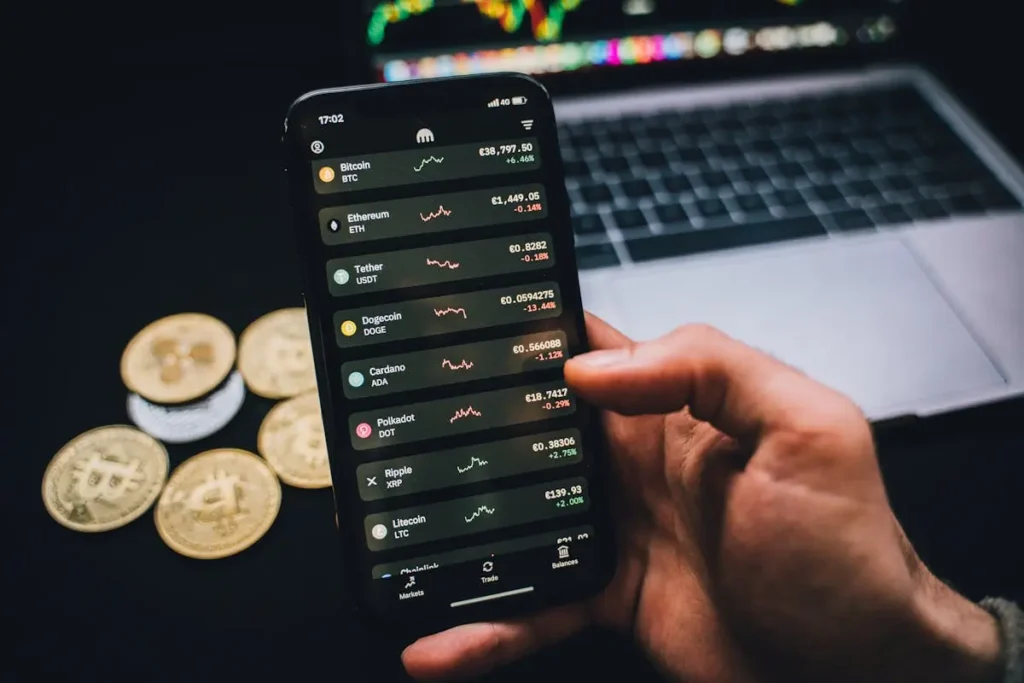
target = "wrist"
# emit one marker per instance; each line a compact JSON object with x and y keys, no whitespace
{"x":963,"y":638}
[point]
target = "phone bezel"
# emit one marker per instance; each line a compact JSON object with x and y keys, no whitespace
{"x":403,"y":97}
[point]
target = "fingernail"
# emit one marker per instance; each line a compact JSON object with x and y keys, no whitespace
{"x":603,"y":359}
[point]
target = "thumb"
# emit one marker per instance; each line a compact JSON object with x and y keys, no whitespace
{"x":741,"y":391}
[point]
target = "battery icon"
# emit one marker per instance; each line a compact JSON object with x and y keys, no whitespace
{"x":519,"y":100}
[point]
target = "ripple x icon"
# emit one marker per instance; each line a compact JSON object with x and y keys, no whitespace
{"x":364,"y":430}
{"x":341,"y":276}
{"x":379,"y":531}
{"x":326,"y":174}
{"x":348,"y":328}
{"x":356,"y":379}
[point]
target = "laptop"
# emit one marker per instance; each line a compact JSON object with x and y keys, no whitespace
{"x":774,"y":168}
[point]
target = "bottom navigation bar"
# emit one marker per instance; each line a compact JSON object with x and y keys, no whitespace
{"x":546,"y":562}
{"x":418,"y":565}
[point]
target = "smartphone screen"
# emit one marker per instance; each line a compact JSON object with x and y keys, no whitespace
{"x":443,"y":298}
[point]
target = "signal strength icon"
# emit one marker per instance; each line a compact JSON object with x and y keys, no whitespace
{"x":527,"y":124}
{"x":496,"y":102}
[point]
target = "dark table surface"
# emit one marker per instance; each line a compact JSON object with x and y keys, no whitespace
{"x":141,"y":196}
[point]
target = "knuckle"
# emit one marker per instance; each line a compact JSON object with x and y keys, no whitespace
{"x":834,"y":423}
{"x":700,"y":333}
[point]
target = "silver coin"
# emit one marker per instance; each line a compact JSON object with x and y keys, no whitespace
{"x":192,"y":422}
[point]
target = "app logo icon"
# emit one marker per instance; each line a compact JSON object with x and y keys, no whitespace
{"x":348,"y":328}
{"x":341,"y":276}
{"x":356,"y":379}
{"x":326,"y":174}
{"x":364,"y":430}
{"x":379,"y":531}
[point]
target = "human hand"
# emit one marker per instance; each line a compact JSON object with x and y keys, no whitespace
{"x":756,"y":539}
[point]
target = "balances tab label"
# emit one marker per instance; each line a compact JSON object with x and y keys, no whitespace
{"x":445,"y":314}
{"x":459,"y":414}
{"x":443,"y":263}
{"x":390,"y":218}
{"x":474,"y":514}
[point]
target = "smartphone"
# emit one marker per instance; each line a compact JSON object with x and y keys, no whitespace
{"x":440,"y":282}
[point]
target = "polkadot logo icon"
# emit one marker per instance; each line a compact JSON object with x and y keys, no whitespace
{"x":363,"y":430}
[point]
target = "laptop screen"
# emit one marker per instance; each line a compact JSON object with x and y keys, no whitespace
{"x":431,"y":38}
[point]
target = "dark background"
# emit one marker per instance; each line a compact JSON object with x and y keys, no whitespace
{"x":145,"y":181}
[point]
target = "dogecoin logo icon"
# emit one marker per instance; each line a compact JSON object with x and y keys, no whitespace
{"x":348,"y":328}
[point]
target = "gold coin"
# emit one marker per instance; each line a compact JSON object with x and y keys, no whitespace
{"x":348,"y":328}
{"x":275,"y":355}
{"x":326,"y":174}
{"x":291,"y":438}
{"x":178,"y":358}
{"x":218,"y":503}
{"x":104,"y":478}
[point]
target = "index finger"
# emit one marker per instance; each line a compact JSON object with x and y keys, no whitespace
{"x":741,"y":391}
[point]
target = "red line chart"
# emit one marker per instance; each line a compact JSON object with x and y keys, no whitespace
{"x":442,"y":312}
{"x":461,"y":413}
{"x":441,"y":211}
{"x":450,"y":265}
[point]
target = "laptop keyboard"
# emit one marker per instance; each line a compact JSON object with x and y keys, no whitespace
{"x":671,"y":183}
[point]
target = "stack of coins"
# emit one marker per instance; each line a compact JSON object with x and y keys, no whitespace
{"x":276,"y":358}
{"x":180,"y":371}
{"x":183,"y":387}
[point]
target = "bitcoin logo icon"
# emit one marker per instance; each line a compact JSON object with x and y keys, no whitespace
{"x":215,"y":501}
{"x":326,"y":174}
{"x":291,"y":438}
{"x":104,"y":478}
{"x":218,"y":503}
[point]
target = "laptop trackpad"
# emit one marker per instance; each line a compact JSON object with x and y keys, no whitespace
{"x":859,"y":315}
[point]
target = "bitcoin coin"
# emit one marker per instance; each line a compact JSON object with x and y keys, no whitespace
{"x":178,"y":358}
{"x":291,"y":439}
{"x":275,"y":356}
{"x":218,"y":503}
{"x":104,"y":478}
